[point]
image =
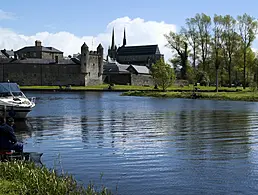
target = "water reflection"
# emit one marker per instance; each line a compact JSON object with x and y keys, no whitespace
{"x":164,"y":146}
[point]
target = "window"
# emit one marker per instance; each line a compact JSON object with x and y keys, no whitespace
{"x":34,"y":54}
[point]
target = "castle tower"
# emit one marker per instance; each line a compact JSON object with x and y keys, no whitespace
{"x":124,"y":39}
{"x":100,"y":52}
{"x":84,"y":58}
{"x":113,"y":49}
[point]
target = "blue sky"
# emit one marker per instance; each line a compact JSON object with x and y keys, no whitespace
{"x":84,"y":17}
{"x":67,"y":24}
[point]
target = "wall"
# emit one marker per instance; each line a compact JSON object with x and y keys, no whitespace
{"x":141,"y":80}
{"x":48,"y":55}
{"x":119,"y":79}
{"x":93,"y":77}
{"x":42,"y":74}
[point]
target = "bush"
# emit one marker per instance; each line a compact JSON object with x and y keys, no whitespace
{"x":27,"y":178}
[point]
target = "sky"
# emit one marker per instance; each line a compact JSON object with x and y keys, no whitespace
{"x":66,"y":25}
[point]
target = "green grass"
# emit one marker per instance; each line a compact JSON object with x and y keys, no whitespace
{"x":27,"y":178}
{"x":130,"y":88}
{"x":236,"y":96}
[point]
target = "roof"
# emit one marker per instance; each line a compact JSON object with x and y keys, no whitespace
{"x":44,"y":61}
{"x":40,"y":48}
{"x":140,"y":69}
{"x":138,"y":50}
{"x":114,"y":67}
{"x":7,"y":53}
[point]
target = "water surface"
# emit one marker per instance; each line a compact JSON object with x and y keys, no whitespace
{"x":144,"y":145}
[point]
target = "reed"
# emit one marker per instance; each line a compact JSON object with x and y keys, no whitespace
{"x":18,"y":177}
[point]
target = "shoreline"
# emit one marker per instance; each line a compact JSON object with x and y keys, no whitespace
{"x":222,"y":96}
{"x":204,"y":93}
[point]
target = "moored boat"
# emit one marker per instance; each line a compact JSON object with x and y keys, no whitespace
{"x":13,"y":102}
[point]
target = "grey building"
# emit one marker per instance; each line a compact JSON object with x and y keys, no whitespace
{"x":143,"y":55}
{"x":44,"y":70}
{"x":39,"y":51}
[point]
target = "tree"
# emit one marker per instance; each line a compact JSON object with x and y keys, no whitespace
{"x":231,"y":41}
{"x":217,"y":41}
{"x":163,"y":74}
{"x":178,"y":42}
{"x":247,"y":29}
{"x":191,"y":33}
{"x":204,"y":23}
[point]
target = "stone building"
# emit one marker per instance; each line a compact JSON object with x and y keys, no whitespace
{"x":143,"y":55}
{"x":39,"y":51}
{"x":50,"y":68}
{"x":130,"y":64}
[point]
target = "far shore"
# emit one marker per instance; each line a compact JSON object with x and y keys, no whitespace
{"x":125,"y":88}
{"x":236,"y":96}
{"x":225,"y":93}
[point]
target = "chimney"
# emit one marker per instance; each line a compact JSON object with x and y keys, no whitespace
{"x":56,"y":59}
{"x":38,"y":43}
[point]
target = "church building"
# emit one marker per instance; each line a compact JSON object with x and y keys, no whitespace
{"x":142,"y":55}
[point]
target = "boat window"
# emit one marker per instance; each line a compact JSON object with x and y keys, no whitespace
{"x":17,"y":93}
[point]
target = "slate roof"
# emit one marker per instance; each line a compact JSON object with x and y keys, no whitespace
{"x":140,"y":69}
{"x":115,"y":67}
{"x":8,"y":53}
{"x":40,"y":48}
{"x":44,"y":61}
{"x":138,"y":50}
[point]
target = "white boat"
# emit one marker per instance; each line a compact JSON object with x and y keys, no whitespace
{"x":13,"y":102}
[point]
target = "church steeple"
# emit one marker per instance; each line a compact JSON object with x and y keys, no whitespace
{"x":113,"y":40}
{"x":124,"y":39}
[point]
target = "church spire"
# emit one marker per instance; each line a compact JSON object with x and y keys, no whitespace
{"x":124,"y":40}
{"x":113,"y":40}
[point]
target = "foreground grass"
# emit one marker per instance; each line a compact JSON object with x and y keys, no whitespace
{"x":27,"y":178}
{"x":134,"y":88}
{"x":236,"y":96}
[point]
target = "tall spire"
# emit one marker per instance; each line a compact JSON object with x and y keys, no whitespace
{"x":124,"y":40}
{"x":113,"y":40}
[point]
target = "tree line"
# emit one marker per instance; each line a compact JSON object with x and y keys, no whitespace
{"x":216,"y":50}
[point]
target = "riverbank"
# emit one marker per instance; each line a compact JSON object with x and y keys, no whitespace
{"x":236,"y":96}
{"x":26,"y":178}
{"x":124,"y":88}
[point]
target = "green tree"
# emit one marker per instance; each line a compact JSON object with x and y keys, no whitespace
{"x":247,"y":28}
{"x":178,"y":43}
{"x":191,"y":33}
{"x":230,"y":43}
{"x":216,"y":45}
{"x":163,"y":74}
{"x":204,"y":23}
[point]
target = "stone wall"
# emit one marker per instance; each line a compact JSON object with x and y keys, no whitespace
{"x":119,"y":79}
{"x":48,"y":55}
{"x":94,"y":76}
{"x":42,"y":74}
{"x":142,"y":80}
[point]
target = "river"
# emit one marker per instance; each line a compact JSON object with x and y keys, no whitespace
{"x":144,"y":145}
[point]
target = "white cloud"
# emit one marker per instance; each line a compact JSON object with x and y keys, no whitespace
{"x":6,"y":15}
{"x":138,"y":32}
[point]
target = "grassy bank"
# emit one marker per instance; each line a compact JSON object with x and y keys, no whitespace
{"x":236,"y":96}
{"x":130,"y":88}
{"x":27,"y":178}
